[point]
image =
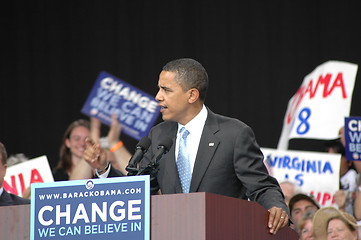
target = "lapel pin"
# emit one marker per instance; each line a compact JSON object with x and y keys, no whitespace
{"x":211,"y":144}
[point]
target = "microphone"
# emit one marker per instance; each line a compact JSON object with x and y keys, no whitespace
{"x":163,"y":147}
{"x":140,"y":149}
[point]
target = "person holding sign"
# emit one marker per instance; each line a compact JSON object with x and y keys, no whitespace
{"x":7,"y":199}
{"x":71,"y":167}
{"x":357,"y":203}
{"x":344,"y":197}
{"x":72,"y":149}
{"x":222,"y":153}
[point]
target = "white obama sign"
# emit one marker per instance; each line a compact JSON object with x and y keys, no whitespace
{"x":318,"y":108}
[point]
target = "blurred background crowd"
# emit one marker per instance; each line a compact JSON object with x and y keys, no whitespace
{"x":256,"y":53}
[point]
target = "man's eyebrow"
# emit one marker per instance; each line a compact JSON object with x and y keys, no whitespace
{"x":164,"y":87}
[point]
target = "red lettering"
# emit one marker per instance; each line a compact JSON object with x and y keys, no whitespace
{"x":35,"y":176}
{"x":11,"y":188}
{"x":339,"y":83}
{"x":318,"y":198}
{"x":326,"y":197}
{"x":22,"y":184}
{"x":294,"y":104}
{"x":321,"y":81}
{"x":312,"y":91}
{"x":323,"y":198}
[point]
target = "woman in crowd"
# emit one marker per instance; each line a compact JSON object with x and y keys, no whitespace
{"x":330,"y":223}
{"x":72,"y":149}
{"x":305,"y":226}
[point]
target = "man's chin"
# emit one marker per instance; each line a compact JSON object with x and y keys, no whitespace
{"x":166,"y":118}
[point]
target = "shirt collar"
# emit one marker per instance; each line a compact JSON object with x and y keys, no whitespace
{"x":195,"y":126}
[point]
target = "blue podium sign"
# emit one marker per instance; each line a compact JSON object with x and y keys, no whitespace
{"x":110,"y":208}
{"x":136,"y":110}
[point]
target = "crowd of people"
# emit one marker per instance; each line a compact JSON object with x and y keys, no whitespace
{"x":340,"y":221}
{"x":230,"y":164}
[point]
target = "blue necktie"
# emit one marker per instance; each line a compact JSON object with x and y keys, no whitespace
{"x":183,"y":163}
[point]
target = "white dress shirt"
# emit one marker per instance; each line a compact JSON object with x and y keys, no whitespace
{"x":195,"y":129}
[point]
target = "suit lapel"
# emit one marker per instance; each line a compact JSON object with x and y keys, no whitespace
{"x":5,"y":199}
{"x":170,"y":164}
{"x":207,"y":147}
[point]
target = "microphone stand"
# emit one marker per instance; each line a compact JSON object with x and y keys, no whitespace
{"x":132,"y":171}
{"x":150,"y":169}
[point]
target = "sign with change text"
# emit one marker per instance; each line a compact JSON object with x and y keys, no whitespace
{"x":318,"y":108}
{"x":20,"y":176}
{"x":136,"y":110}
{"x":314,"y":173}
{"x":92,"y":209}
{"x":353,"y":138}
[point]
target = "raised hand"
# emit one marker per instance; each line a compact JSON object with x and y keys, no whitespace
{"x":94,"y":155}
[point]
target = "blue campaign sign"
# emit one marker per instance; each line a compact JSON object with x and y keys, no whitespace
{"x":136,"y":110}
{"x":353,"y":138}
{"x":110,"y":208}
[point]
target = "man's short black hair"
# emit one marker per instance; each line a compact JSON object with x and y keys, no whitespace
{"x":301,"y":196}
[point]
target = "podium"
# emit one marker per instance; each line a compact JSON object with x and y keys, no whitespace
{"x":193,"y":216}
{"x":206,"y":216}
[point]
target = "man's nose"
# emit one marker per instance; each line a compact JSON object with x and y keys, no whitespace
{"x":158,"y":96}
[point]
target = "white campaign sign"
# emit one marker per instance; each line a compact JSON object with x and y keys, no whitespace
{"x":20,"y":176}
{"x":315,"y":173}
{"x":318,"y":108}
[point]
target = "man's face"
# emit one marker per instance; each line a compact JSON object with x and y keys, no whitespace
{"x":2,"y":172}
{"x":300,"y":208}
{"x":173,"y":100}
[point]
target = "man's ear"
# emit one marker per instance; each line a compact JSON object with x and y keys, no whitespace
{"x":193,"y":95}
{"x":5,"y":166}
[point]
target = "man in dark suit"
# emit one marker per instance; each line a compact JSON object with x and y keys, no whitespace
{"x":7,"y":199}
{"x":222,"y":154}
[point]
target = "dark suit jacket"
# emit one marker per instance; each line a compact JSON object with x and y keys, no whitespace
{"x":8,"y":199}
{"x":229,"y":162}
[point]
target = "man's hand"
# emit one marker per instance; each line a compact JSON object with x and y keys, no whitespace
{"x":277,"y":219}
{"x":94,"y":155}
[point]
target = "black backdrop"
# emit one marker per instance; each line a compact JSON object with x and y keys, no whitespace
{"x":256,"y":54}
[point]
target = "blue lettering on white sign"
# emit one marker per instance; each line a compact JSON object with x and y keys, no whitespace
{"x":302,"y":165}
{"x":304,"y":126}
